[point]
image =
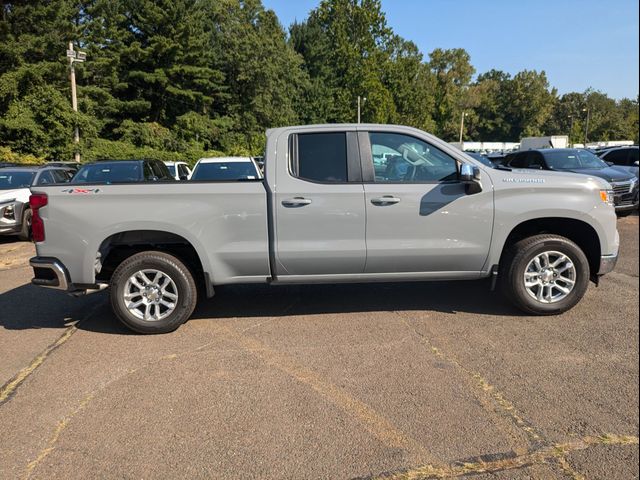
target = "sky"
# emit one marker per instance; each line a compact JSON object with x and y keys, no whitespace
{"x":578,"y":43}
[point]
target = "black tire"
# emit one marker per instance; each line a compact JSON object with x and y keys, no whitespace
{"x":169,"y":266}
{"x":515,"y":262}
{"x":25,"y":232}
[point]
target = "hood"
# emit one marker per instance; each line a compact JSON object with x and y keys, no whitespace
{"x":18,"y":194}
{"x":609,"y":174}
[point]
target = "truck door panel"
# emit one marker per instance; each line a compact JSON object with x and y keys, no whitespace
{"x":430,"y":224}
{"x":319,"y":209}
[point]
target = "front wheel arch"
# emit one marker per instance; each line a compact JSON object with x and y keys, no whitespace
{"x":578,"y":231}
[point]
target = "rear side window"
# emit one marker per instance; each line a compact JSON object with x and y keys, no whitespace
{"x":535,"y":161}
{"x":618,"y":157}
{"x":161,"y":171}
{"x":45,"y":178}
{"x":519,"y":161}
{"x":320,"y":157}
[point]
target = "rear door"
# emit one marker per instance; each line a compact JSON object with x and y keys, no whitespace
{"x":319,"y":205}
{"x":419,"y":217}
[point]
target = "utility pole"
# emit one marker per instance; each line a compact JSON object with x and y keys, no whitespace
{"x":74,"y":57}
{"x":464,"y":114}
{"x":571,"y":130}
{"x":364,"y":99}
{"x":586,"y":127}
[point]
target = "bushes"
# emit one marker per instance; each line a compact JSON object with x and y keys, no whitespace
{"x":7,"y":155}
{"x":100,"y":149}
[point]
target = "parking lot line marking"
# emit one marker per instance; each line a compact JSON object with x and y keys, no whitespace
{"x":505,"y":406}
{"x":540,"y":456}
{"x":373,"y":422}
{"x":10,"y":387}
{"x":62,"y":424}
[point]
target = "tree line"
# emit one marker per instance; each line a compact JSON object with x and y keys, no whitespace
{"x":178,"y":79}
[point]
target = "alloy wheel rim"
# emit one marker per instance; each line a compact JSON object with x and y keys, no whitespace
{"x":150,"y":295}
{"x":550,"y":277}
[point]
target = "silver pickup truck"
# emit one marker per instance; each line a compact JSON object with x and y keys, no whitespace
{"x":338,"y":203}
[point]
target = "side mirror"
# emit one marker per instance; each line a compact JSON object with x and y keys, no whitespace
{"x":470,"y":177}
{"x":469,"y":173}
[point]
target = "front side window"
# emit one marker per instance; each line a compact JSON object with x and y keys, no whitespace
{"x":401,"y":158}
{"x":321,"y":157}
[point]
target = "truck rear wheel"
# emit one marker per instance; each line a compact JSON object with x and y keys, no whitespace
{"x":545,"y":274}
{"x":153,"y":292}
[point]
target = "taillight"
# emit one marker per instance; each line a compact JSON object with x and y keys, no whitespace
{"x":37,"y":201}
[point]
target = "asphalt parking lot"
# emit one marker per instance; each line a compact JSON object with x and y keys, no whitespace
{"x":424,"y":380}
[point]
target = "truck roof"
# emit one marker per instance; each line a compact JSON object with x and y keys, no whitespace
{"x":225,"y":160}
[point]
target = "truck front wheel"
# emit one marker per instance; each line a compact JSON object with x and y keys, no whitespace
{"x":545,"y":274}
{"x":153,"y":292}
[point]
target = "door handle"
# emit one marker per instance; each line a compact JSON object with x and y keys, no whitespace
{"x":296,"y":202}
{"x":386,"y":200}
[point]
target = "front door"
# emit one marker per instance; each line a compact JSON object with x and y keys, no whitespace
{"x":419,"y":217}
{"x":319,"y":206}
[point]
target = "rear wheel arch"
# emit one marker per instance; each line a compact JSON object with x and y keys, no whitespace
{"x":118,"y":247}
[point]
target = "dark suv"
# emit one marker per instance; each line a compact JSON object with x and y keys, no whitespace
{"x":624,"y":184}
{"x":621,"y":158}
{"x":123,"y":171}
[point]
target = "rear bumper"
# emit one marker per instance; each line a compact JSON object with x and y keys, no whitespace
{"x":49,"y":272}
{"x":607,"y":264}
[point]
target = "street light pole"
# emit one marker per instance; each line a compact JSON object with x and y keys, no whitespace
{"x":364,"y":99}
{"x":464,"y":114}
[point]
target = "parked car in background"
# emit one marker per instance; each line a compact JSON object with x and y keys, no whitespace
{"x":123,"y":171}
{"x":179,"y":170}
{"x":74,"y":166}
{"x":624,"y":159}
{"x":481,"y":158}
{"x":226,"y":169}
{"x":624,"y":184}
{"x":15,"y":211}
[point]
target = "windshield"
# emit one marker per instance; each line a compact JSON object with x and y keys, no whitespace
{"x":12,"y":179}
{"x":108,"y":173}
{"x":573,"y":160}
{"x":225,"y":171}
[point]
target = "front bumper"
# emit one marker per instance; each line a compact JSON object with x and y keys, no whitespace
{"x":13,"y":224}
{"x":607,"y":264}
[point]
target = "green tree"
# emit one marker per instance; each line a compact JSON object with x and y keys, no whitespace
{"x":452,"y":72}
